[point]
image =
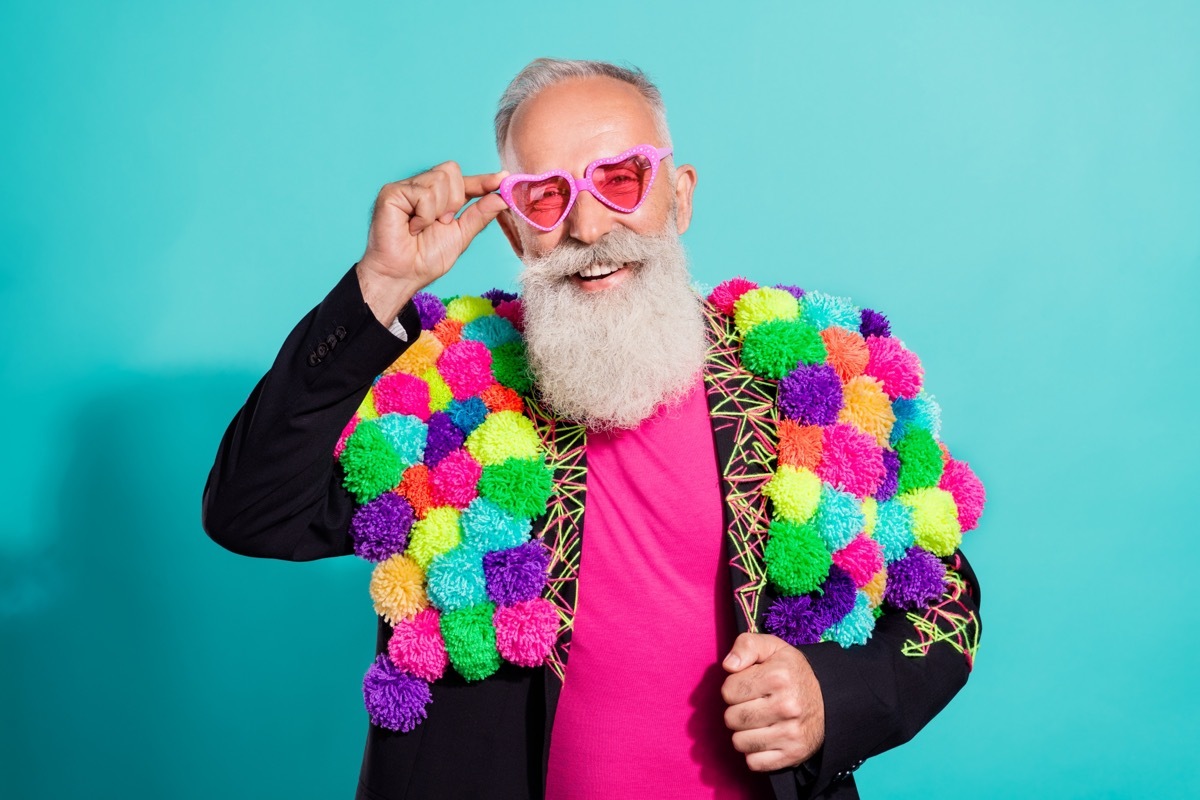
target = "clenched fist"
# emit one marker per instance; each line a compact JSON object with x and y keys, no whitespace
{"x":417,"y":233}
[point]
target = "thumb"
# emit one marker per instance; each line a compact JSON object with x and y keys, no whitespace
{"x":478,"y":215}
{"x":751,"y":648}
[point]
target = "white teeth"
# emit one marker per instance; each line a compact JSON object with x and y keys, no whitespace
{"x":598,"y":270}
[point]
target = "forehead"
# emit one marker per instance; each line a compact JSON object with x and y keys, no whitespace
{"x":576,"y":121}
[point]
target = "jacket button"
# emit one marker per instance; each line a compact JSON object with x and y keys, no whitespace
{"x":331,"y":340}
{"x":322,"y":350}
{"x":313,"y":360}
{"x":340,"y":331}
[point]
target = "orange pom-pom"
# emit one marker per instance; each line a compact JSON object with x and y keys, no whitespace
{"x":799,"y":445}
{"x":420,"y":355}
{"x":845,"y":351}
{"x":498,"y":397}
{"x":414,"y":487}
{"x":448,"y":331}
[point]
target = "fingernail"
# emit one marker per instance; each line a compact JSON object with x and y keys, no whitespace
{"x":732,"y":661}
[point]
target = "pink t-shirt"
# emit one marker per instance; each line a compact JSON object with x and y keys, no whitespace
{"x":641,"y":713}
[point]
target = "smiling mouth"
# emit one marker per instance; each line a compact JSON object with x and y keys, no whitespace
{"x":595,"y":272}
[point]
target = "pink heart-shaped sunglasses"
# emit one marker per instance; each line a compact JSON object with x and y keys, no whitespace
{"x":620,"y":182}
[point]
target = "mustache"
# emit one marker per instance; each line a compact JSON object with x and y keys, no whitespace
{"x":618,"y":246}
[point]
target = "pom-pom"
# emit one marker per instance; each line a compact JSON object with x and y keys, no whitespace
{"x":513,"y":311}
{"x":727,"y":293}
{"x":921,"y":411}
{"x":920,"y":461}
{"x":851,"y":460}
{"x":510,"y":366}
{"x":346,"y":431}
{"x":799,"y":445}
{"x":406,"y":434}
{"x":468,"y":414}
{"x":872,"y":323}
{"x":492,"y":330}
{"x":823,"y":310}
{"x":866,"y":407}
{"x":845,"y":351}
{"x":839,"y":518}
{"x":502,"y":398}
{"x":466,"y":367}
{"x":448,"y":331}
{"x":454,"y":480}
{"x":811,"y":395}
{"x":437,"y":533}
{"x":967,"y":490}
{"x":455,"y":579}
{"x":763,"y":305}
{"x":465,"y":309}
{"x":520,"y":486}
{"x":796,"y":620}
{"x":429,"y":309}
{"x":935,"y":520}
{"x":861,"y":559}
{"x":398,"y":588}
{"x":439,"y":393}
{"x":380,"y":528}
{"x":366,"y":408}
{"x":414,"y":487}
{"x":370,"y":463}
{"x":420,"y":356}
{"x":891,"y":476}
{"x":416,"y":646}
{"x":443,"y":438}
{"x":470,"y":640}
{"x":794,"y":291}
{"x":487,"y":527}
{"x":870,"y":509}
{"x":838,"y":594}
{"x":856,"y":626}
{"x":394,"y":699}
{"x":516,"y":574}
{"x":497,"y":296}
{"x":875,"y":588}
{"x":773,"y":349}
{"x":504,"y":435}
{"x":897,"y":368}
{"x":795,"y":493}
{"x":401,"y":393}
{"x":526,"y":631}
{"x":916,"y":580}
{"x":796,"y":557}
{"x":893,"y":530}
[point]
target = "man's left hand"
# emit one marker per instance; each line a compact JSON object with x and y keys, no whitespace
{"x":775,"y":707}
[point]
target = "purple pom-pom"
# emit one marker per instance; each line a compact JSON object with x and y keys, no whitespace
{"x":516,"y":574}
{"x":838,"y":595}
{"x":916,"y":580}
{"x":794,"y":291}
{"x":796,"y":620}
{"x":811,"y":395}
{"x":873,"y":324}
{"x":498,"y":296}
{"x":380,"y":527}
{"x":891,"y":476}
{"x":429,"y":309}
{"x":395,"y":700}
{"x":442,"y":439}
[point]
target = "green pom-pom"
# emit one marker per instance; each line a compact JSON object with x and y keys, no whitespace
{"x":471,"y":640}
{"x":511,"y":368}
{"x":372,"y":466}
{"x":797,"y":559}
{"x":773,"y":349}
{"x":521,"y":486}
{"x":920,"y":460}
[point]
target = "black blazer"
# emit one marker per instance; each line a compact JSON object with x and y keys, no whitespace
{"x":276,"y":492}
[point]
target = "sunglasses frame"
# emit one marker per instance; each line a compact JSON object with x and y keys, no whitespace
{"x":584,"y":184}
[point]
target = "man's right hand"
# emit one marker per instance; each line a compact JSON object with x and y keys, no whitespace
{"x":417,"y":233}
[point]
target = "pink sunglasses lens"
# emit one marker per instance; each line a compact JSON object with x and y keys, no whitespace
{"x":542,"y":202}
{"x":625,"y":183}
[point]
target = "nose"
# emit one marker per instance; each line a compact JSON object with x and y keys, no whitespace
{"x":589,"y":219}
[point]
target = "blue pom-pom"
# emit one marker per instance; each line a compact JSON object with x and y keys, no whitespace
{"x":839,"y":518}
{"x":492,"y":330}
{"x":456,"y":579}
{"x":893,"y":529}
{"x":921,"y":411}
{"x":823,"y":310}
{"x":487,"y":527}
{"x":855,"y":627}
{"x":467,"y":414}
{"x":406,"y":434}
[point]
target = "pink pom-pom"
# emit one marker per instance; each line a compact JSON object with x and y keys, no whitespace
{"x":466,"y":366}
{"x":525,"y":631}
{"x":346,"y":431}
{"x":851,"y":460}
{"x":401,"y":393}
{"x":417,"y":647}
{"x":967,"y":490}
{"x":513,"y":311}
{"x":897,"y":368}
{"x":728,"y":292}
{"x":454,"y":480}
{"x":861,"y":559}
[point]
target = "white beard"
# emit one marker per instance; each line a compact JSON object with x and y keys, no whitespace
{"x":609,"y":359}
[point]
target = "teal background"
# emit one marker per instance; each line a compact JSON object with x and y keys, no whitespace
{"x":1017,"y":185}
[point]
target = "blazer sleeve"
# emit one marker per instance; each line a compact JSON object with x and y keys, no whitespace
{"x":275,"y":489}
{"x":879,"y":695}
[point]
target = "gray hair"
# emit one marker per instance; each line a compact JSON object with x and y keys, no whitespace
{"x":542,"y":73}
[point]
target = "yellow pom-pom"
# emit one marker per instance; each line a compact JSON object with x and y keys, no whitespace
{"x":796,"y":493}
{"x":366,"y":409}
{"x":870,"y":509}
{"x":935,"y":519}
{"x":874,"y":588}
{"x":439,"y":393}
{"x":398,"y":588}
{"x":763,"y":305}
{"x":420,"y":356}
{"x":867,"y":407}
{"x":504,"y":435}
{"x":438,"y":532}
{"x":465,"y":309}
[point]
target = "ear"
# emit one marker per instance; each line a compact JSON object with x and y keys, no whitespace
{"x":685,"y":185}
{"x":505,"y":219}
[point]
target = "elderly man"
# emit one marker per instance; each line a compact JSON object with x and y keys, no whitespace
{"x":661,"y":696}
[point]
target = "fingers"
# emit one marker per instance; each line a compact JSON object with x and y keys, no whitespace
{"x":479,"y":185}
{"x":758,"y":713}
{"x":751,"y":648}
{"x":438,"y":194}
{"x":478,"y":215}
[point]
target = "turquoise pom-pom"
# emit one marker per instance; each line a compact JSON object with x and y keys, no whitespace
{"x":855,"y":627}
{"x":839,"y":518}
{"x":456,"y":579}
{"x":487,"y":527}
{"x":894,"y":530}
{"x":823,"y":310}
{"x":406,"y":434}
{"x":492,"y":330}
{"x":921,"y":412}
